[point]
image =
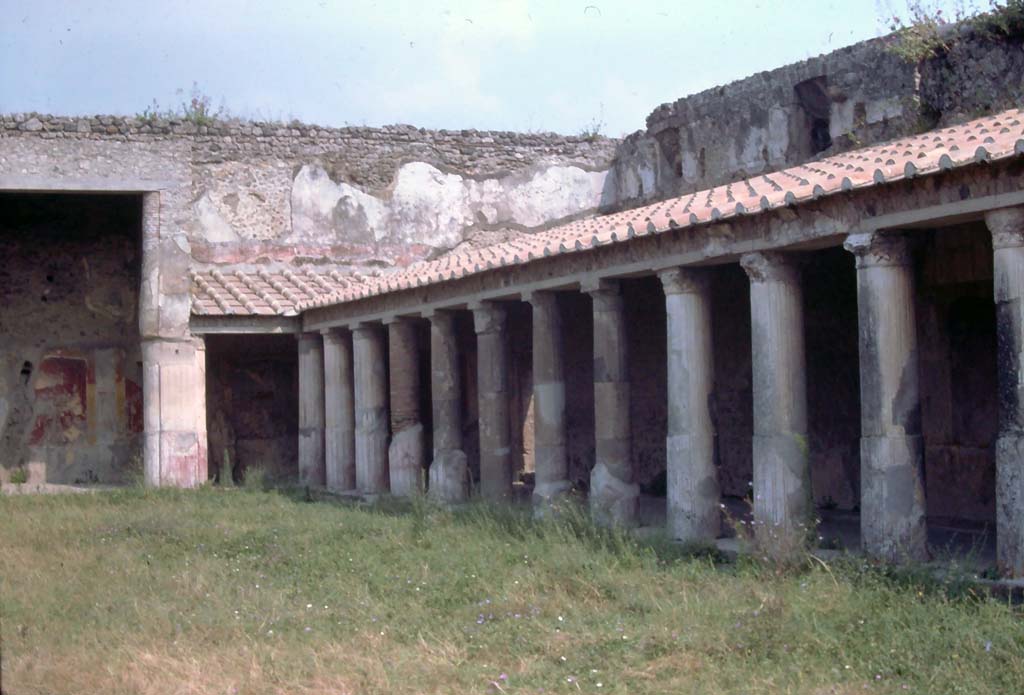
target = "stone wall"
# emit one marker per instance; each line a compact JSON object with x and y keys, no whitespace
{"x":856,"y":96}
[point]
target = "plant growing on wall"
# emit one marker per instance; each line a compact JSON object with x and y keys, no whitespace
{"x":196,"y":109}
{"x":925,"y":30}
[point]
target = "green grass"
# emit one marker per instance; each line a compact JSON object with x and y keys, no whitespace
{"x":225,"y":591}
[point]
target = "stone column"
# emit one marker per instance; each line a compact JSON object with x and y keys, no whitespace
{"x":692,"y":479}
{"x":496,"y":468}
{"x":613,"y":494}
{"x":892,"y":510}
{"x":1007,"y":227}
{"x":174,"y":412}
{"x":449,"y":473}
{"x":405,"y":455}
{"x":339,"y":410}
{"x":782,"y":486}
{"x":311,"y":409}
{"x":549,"y":429}
{"x":371,"y":396}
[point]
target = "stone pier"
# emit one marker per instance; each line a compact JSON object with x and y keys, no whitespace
{"x":892,"y":509}
{"x":613,"y":494}
{"x":496,"y":467}
{"x":311,"y":409}
{"x":174,"y":412}
{"x":1007,"y":227}
{"x":693,"y":491}
{"x":371,"y":394}
{"x":549,"y":433}
{"x":405,"y":454}
{"x":782,"y":485}
{"x":449,"y":473}
{"x":339,"y":412}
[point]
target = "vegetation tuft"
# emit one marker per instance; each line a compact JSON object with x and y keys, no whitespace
{"x":241,"y":589}
{"x":926,"y":31}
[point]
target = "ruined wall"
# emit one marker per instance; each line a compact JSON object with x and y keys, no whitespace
{"x":70,"y":360}
{"x":257,"y":194}
{"x":856,"y":96}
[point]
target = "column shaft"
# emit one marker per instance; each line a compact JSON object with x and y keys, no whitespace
{"x":613,"y":494}
{"x":405,"y":454}
{"x":339,"y":409}
{"x":449,"y":472}
{"x":1007,"y":227}
{"x":549,"y":429}
{"x":891,"y":448}
{"x":496,"y":467}
{"x":782,"y":485}
{"x":370,"y":377}
{"x":311,"y":410}
{"x":693,"y":490}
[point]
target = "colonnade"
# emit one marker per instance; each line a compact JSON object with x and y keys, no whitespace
{"x":344,"y":418}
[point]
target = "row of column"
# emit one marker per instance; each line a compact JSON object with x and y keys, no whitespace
{"x":344,"y":418}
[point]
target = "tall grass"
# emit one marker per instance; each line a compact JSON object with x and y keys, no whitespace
{"x":252,"y":591}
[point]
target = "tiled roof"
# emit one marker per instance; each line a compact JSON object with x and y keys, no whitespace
{"x":992,"y":138}
{"x":261,"y":292}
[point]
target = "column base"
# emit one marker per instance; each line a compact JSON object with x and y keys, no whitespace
{"x":613,"y":502}
{"x":782,"y":485}
{"x":405,"y":462}
{"x":892,"y":510}
{"x":547,"y":494}
{"x":372,"y":462}
{"x":694,"y":496}
{"x":449,"y":477}
{"x":311,"y":457}
{"x":1010,"y":505}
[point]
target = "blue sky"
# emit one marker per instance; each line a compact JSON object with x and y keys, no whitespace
{"x":522,"y":65}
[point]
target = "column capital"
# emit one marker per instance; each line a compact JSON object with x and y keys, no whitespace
{"x":594,"y":286}
{"x":684,"y":280}
{"x":488,"y":317}
{"x":770,"y":266}
{"x":334,"y":336}
{"x":1007,"y":227}
{"x":366,"y":329}
{"x":443,"y":318}
{"x":388,"y":320}
{"x":309,"y":336}
{"x":541,"y":298}
{"x":874,"y":249}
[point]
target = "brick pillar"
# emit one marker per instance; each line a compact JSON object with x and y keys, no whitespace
{"x":613,"y":494}
{"x":1007,"y":227}
{"x":496,"y":467}
{"x":782,"y":485}
{"x":892,"y":510}
{"x":449,"y":472}
{"x":371,"y":398}
{"x":339,"y":412}
{"x":311,"y":409}
{"x":405,"y":454}
{"x":549,"y":429}
{"x":693,"y":491}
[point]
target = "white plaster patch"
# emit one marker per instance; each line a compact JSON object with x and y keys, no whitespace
{"x":428,"y":206}
{"x":214,"y":227}
{"x":883,"y":109}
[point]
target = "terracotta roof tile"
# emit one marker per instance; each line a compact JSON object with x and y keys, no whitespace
{"x":262,"y":292}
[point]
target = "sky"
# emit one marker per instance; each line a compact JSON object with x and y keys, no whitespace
{"x":523,"y":65}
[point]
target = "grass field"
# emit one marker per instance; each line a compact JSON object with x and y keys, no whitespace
{"x":242,"y":591}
